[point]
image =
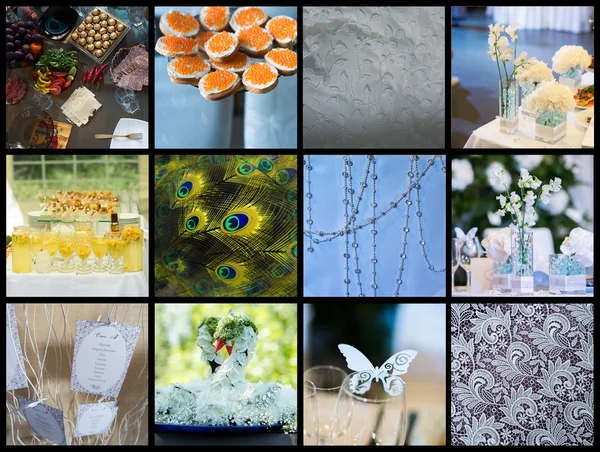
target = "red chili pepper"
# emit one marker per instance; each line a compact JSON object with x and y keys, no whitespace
{"x":91,"y":74}
{"x":86,"y":72}
{"x":99,"y":75}
{"x":99,"y":80}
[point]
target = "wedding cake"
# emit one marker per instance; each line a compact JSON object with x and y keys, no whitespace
{"x":225,"y":397}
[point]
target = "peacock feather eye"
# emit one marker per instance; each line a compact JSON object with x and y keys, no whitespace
{"x":185,"y":189}
{"x":226,"y":272}
{"x":265,"y":165}
{"x":245,"y":168}
{"x":161,"y":284}
{"x":202,"y":287}
{"x":235,"y":222}
{"x":292,"y":252}
{"x":163,"y":210}
{"x":161,"y":173}
{"x":285,"y":176}
{"x":163,"y":160}
{"x":292,"y":195}
{"x":192,"y":223}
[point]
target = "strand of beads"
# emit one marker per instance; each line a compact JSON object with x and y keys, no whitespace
{"x":374,"y":230}
{"x":353,"y":213}
{"x":405,"y":230}
{"x":419,"y":216}
{"x":345,"y":201}
{"x":309,"y":196}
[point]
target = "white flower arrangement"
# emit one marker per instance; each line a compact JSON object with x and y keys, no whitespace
{"x":579,"y":246}
{"x":551,"y":96}
{"x":513,"y":203}
{"x":497,"y":245}
{"x":500,"y":50}
{"x":535,"y":72}
{"x":570,"y":57}
{"x":462,"y":174}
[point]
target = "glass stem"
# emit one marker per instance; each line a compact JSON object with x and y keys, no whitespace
{"x":469,"y":280}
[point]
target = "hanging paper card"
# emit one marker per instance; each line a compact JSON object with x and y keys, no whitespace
{"x":102,"y":355}
{"x":45,"y":420}
{"x":95,"y":418}
{"x":388,"y":373}
{"x":15,"y":369}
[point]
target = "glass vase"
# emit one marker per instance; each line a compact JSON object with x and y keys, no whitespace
{"x":521,"y":280}
{"x":132,"y":255}
{"x":21,"y":249}
{"x":509,"y":106}
{"x":550,"y":126}
{"x":501,"y":273}
{"x":527,"y":115}
{"x":567,"y":276}
{"x":571,"y":78}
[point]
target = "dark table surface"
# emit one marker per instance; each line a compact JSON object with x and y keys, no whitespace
{"x":221,"y":439}
{"x":106,"y":118}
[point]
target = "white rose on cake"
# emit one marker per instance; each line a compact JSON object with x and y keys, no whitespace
{"x":579,"y":246}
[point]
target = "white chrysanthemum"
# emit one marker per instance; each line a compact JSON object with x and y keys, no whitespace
{"x":569,"y":57}
{"x":535,"y":72}
{"x":498,"y":177}
{"x":462,"y":174}
{"x":528,"y":162}
{"x":551,"y":96}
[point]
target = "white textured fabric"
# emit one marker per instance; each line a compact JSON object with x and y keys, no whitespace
{"x":564,"y":18}
{"x":373,"y":77}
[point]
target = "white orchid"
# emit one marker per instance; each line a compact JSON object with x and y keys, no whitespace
{"x":496,"y":29}
{"x":506,"y":55}
{"x":530,"y":198}
{"x":511,"y":30}
{"x":500,"y":49}
{"x":501,"y":212}
{"x":502,"y":200}
{"x":555,"y":184}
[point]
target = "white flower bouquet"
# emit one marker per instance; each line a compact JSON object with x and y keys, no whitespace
{"x":551,"y":96}
{"x":579,"y":246}
{"x":534,"y":73}
{"x":570,"y":57}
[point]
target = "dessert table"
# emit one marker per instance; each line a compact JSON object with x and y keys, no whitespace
{"x":573,"y":19}
{"x":57,"y":284}
{"x":489,"y":135}
{"x":221,"y":439}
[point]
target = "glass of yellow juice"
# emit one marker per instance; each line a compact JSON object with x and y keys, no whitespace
{"x":100,"y":248}
{"x":83,"y":249}
{"x":116,"y":248}
{"x":132,"y":256}
{"x":21,"y":249}
{"x":66,"y":248}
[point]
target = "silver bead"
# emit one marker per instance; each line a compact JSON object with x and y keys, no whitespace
{"x":351,"y":191}
{"x":422,"y":242}
{"x":349,"y":163}
{"x":419,"y":214}
{"x":418,"y":186}
{"x":374,"y":260}
{"x":309,"y":221}
{"x":310,"y":249}
{"x":408,"y":202}
{"x":357,"y":271}
{"x":345,"y":202}
{"x":374,"y":286}
{"x":361,"y":295}
{"x":373,"y":176}
{"x":347,"y":281}
{"x":393,"y":204}
{"x":430,"y":161}
{"x":374,"y":232}
{"x":431,"y":267}
{"x":363,"y":184}
{"x":345,"y":174}
{"x":309,"y":168}
{"x":355,"y":245}
{"x":398,"y":281}
{"x":403,"y":256}
{"x":406,"y":229}
{"x":373,"y":204}
{"x":410,"y":174}
{"x":370,"y":157}
{"x":309,"y":195}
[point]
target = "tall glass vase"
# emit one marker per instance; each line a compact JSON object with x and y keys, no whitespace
{"x":521,"y":279}
{"x":509,"y":106}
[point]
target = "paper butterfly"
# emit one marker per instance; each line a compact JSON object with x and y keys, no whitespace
{"x":462,"y":237}
{"x":387,"y":373}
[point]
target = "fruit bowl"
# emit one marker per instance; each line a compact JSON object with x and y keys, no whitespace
{"x":24,"y":44}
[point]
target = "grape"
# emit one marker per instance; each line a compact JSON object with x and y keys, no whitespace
{"x":14,"y":64}
{"x":30,"y":58}
{"x":10,"y":38}
{"x":18,"y":43}
{"x":30,"y":25}
{"x":10,"y":56}
{"x":27,"y":38}
{"x":15,"y":27}
{"x":25,"y":48}
{"x":38,"y":38}
{"x":10,"y":46}
{"x":21,"y":32}
{"x":19,"y":55}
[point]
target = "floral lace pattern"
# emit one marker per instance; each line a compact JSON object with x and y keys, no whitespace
{"x":522,"y":374}
{"x":373,"y":77}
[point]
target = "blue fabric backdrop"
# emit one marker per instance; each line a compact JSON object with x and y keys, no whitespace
{"x":324,"y":269}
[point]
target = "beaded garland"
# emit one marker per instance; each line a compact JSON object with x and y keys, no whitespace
{"x":352,"y":209}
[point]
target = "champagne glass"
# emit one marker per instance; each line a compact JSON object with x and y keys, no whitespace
{"x":311,"y":420}
{"x":468,"y":251}
{"x":454,"y":254}
{"x":328,"y":381}
{"x":116,"y":248}
{"x":83,"y":249}
{"x":100,"y":248}
{"x":66,"y":248}
{"x":374,"y":418}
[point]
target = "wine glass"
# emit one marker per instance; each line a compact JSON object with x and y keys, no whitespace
{"x":311,"y":420}
{"x":83,"y":249}
{"x":454,"y":255}
{"x":374,"y":418}
{"x":66,"y":247}
{"x":100,"y":248}
{"x":116,"y":248}
{"x":468,"y":250}
{"x":328,"y":381}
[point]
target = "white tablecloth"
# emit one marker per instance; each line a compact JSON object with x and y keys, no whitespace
{"x":489,"y":135}
{"x":460,"y":292}
{"x":57,"y":284}
{"x":565,"y":18}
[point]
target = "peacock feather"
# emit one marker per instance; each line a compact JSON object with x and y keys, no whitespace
{"x":226,"y":225}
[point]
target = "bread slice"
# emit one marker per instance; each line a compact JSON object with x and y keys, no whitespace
{"x":160,"y":49}
{"x":222,"y":57}
{"x":281,"y":69}
{"x":165,"y":31}
{"x":202,"y":17}
{"x":252,"y":89}
{"x":256,"y":53}
{"x":281,"y":43}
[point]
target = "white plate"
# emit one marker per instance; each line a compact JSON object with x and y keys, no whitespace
{"x":590,"y":70}
{"x":583,"y":115}
{"x":127,"y":126}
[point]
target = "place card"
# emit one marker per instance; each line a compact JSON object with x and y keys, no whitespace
{"x":45,"y":420}
{"x":95,"y":418}
{"x":15,"y":368}
{"x":102,"y":355}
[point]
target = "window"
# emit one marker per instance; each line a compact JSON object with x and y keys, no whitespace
{"x":34,"y":173}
